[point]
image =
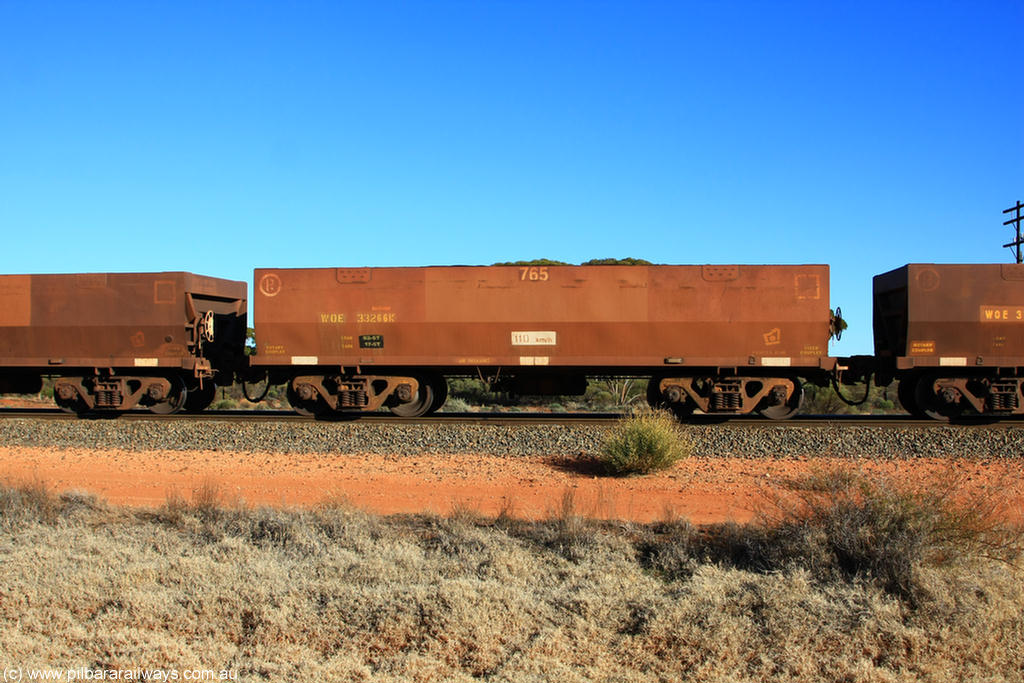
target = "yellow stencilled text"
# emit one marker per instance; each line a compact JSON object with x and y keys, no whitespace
{"x":922,"y":347}
{"x":376,"y":317}
{"x":1002,"y":314}
{"x":533,"y":273}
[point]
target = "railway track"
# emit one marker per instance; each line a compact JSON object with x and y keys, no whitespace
{"x":506,"y":419}
{"x":506,"y":435}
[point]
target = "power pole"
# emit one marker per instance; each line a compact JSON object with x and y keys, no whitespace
{"x":1016,"y":221}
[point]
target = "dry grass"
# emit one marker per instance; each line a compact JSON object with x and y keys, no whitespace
{"x":336,"y":594}
{"x":840,"y":521}
{"x":28,"y":500}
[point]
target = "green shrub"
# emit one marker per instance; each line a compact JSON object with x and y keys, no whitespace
{"x":454,"y":404}
{"x":628,"y":261}
{"x":643,"y":443}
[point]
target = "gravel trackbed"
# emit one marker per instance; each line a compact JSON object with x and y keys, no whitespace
{"x":532,"y":471}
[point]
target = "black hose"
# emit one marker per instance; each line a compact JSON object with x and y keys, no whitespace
{"x":245,"y":392}
{"x":867,"y":392}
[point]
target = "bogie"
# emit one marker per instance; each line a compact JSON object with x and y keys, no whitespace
{"x":776,"y":398}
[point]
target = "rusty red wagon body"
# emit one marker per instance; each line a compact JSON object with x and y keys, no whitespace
{"x":119,"y":340}
{"x":728,"y":339}
{"x":953,"y":334}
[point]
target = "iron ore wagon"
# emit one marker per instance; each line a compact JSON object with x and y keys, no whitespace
{"x":720,"y":339}
{"x":953,"y":335}
{"x":116,"y":341}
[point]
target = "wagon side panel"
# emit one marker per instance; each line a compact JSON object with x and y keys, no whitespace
{"x":594,"y":316}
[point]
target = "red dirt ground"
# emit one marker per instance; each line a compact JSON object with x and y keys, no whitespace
{"x":702,"y":490}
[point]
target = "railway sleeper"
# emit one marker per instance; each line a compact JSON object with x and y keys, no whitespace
{"x":773,"y":397}
{"x":319,"y":394}
{"x":115,"y":393}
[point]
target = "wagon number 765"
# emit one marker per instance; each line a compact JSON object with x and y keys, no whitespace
{"x":533,"y":273}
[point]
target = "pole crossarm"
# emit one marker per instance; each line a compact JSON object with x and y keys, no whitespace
{"x":1016,"y":221}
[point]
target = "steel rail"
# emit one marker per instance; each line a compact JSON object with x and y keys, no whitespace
{"x":511,"y":419}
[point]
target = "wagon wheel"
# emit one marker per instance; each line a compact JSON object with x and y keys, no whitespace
{"x":75,"y":406}
{"x":198,"y":399}
{"x":929,"y":404}
{"x":300,"y":406}
{"x":421,"y":403}
{"x":440,"y":386}
{"x":175,"y":400}
{"x":906,"y":392}
{"x":789,"y":408}
{"x":683,"y":410}
{"x":654,"y":397}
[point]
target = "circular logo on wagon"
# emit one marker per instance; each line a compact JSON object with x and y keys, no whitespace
{"x":928,"y":279}
{"x":270,"y":284}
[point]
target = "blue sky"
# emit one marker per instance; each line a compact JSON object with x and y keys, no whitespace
{"x":219,"y":136}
